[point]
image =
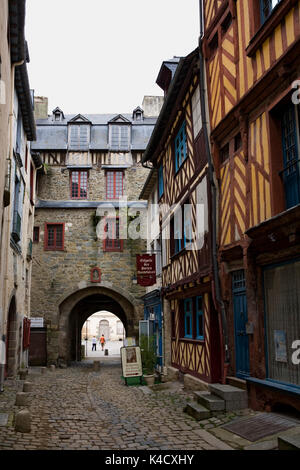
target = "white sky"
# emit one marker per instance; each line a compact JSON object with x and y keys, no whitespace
{"x":103,"y":56}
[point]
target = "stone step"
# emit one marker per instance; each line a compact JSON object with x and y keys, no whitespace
{"x":210,"y":401}
{"x":234,"y":397}
{"x":198,"y":411}
{"x":236,"y":382}
{"x":289,"y":442}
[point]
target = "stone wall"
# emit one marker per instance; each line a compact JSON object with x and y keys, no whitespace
{"x":59,"y":274}
{"x":55,"y":185}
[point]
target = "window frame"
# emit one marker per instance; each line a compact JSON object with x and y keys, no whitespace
{"x":46,"y":238}
{"x":80,"y":172}
{"x":36,"y":230}
{"x":179,"y":144}
{"x":160,"y":181}
{"x":199,"y":314}
{"x":188,"y":317}
{"x":114,"y":183}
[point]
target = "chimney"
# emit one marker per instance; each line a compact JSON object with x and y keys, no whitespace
{"x":40,"y":107}
{"x":152,"y":105}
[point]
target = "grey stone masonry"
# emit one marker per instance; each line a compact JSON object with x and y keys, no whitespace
{"x":210,"y":401}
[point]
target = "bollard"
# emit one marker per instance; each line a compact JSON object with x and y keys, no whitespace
{"x":106,"y":352}
{"x":52,"y":367}
{"x":96,"y":365}
{"x":23,"y":373}
{"x":27,"y":386}
{"x":23,"y":421}
{"x":21,"y":399}
{"x":43,"y":370}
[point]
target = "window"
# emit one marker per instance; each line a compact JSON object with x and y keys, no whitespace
{"x":237,"y":142}
{"x":79,"y":136}
{"x":181,"y":228}
{"x":119,"y":137}
{"x":173,"y":325}
{"x":160,"y":181}
{"x":290,"y":150}
{"x":36,"y":234}
{"x":17,"y":209}
{"x":188,"y":318}
{"x":158,"y":257}
{"x":266,"y":8}
{"x":199,"y":319}
{"x":31,"y":184}
{"x":112,"y":241}
{"x":224,"y":153}
{"x":196,"y":110}
{"x":180,"y":147}
{"x":54,"y":237}
{"x":114,"y":184}
{"x":79,"y":184}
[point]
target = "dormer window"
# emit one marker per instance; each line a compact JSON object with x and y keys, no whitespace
{"x":119,"y":134}
{"x":79,"y":133}
{"x":58,"y":115}
{"x":138,"y":114}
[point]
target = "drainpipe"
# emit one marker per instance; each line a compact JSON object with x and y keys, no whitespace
{"x":225,"y":353}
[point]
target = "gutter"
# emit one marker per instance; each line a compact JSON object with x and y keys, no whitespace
{"x":217,"y":288}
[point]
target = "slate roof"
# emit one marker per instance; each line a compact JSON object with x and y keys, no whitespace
{"x":53,"y":135}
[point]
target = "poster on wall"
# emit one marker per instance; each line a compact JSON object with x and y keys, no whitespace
{"x":280,"y":346}
{"x":131,"y":361}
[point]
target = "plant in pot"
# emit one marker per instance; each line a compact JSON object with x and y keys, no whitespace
{"x":149,"y":359}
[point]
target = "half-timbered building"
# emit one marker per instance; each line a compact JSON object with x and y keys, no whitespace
{"x":252,"y":62}
{"x":177,"y":152}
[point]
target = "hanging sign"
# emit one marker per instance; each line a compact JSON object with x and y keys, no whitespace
{"x":131,"y":361}
{"x":146,"y":271}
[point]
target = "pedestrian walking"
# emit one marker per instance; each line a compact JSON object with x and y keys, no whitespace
{"x":94,"y":341}
{"x":102,"y":341}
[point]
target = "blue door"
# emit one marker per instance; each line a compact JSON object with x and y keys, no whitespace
{"x":240,"y":321}
{"x":290,"y":171}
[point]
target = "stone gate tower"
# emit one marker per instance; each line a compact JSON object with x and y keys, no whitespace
{"x":90,"y":161}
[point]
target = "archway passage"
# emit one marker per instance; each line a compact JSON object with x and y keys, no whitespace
{"x":102,"y":324}
{"x":79,"y":306}
{"x":83,"y":310}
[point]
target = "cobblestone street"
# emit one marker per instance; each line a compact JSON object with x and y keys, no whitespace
{"x":78,"y":408}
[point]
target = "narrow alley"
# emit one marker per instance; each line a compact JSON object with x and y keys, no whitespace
{"x":77,"y":408}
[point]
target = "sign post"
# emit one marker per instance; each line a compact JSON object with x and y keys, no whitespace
{"x":146,"y":270}
{"x":132,"y":364}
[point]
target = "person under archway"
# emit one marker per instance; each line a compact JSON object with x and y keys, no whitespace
{"x":102,"y":341}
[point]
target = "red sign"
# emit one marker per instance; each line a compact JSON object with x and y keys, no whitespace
{"x":146,"y":271}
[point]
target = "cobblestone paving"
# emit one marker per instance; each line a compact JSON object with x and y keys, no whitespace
{"x":77,"y":408}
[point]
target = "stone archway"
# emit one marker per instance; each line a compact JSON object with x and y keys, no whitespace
{"x":75,"y":309}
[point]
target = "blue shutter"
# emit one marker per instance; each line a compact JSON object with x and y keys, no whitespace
{"x":180,"y":147}
{"x":188,"y":314}
{"x":290,"y":157}
{"x":160,"y":181}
